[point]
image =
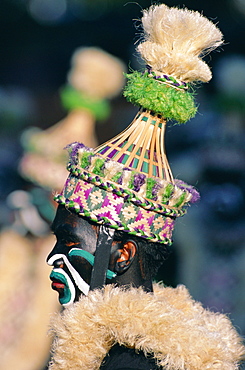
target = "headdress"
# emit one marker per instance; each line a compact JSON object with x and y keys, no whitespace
{"x":126,"y":183}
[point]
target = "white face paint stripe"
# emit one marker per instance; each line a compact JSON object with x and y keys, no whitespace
{"x":81,"y":284}
{"x":70,"y":285}
{"x":54,"y":258}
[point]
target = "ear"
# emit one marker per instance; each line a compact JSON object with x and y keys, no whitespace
{"x":126,"y":256}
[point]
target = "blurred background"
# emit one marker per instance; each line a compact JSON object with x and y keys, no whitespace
{"x":38,"y":40}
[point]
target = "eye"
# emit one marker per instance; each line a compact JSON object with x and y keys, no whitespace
{"x":71,"y":244}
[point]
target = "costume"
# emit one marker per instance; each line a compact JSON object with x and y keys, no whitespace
{"x":126,"y":184}
{"x":169,"y":324}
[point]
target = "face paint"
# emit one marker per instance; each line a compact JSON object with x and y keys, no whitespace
{"x":76,"y":252}
{"x":69,"y":292}
{"x":69,"y":287}
{"x":72,"y":257}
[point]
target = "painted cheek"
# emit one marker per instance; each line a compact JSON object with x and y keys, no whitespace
{"x":82,"y":266}
{"x":74,"y":282}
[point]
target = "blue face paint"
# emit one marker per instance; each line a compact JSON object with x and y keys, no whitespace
{"x":76,"y":252}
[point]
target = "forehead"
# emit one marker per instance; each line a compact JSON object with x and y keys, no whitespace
{"x":70,"y":224}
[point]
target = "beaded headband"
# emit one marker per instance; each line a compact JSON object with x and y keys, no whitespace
{"x":126,"y":183}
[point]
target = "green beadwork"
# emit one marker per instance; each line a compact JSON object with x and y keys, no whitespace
{"x":117,"y":176}
{"x":98,"y":167}
{"x":180,"y":200}
{"x":131,"y":181}
{"x":150,"y":183}
{"x":167,"y":193}
{"x":85,"y":159}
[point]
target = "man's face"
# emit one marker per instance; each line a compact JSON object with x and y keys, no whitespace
{"x":71,"y":255}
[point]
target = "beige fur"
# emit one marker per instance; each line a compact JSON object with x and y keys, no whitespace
{"x":177,"y":330}
{"x":175,"y":41}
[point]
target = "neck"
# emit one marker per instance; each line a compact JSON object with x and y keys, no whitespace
{"x":146,"y":285}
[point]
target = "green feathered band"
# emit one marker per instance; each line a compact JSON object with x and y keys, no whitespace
{"x":73,"y":99}
{"x":173,"y":104}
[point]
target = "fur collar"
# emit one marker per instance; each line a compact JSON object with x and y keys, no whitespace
{"x":180,"y":333}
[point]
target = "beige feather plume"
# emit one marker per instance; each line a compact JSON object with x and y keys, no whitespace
{"x":96,"y":73}
{"x":176,"y":40}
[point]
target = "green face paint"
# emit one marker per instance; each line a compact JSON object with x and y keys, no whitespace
{"x":67,"y":283}
{"x":76,"y":252}
{"x":69,"y":291}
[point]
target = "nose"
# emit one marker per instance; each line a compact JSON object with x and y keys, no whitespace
{"x":59,"y":263}
{"x":55,"y":254}
{"x":56,"y":260}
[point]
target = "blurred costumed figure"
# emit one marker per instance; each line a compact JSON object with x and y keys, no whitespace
{"x":94,"y":78}
{"x":26,"y":302}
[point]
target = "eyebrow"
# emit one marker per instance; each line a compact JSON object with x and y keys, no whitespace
{"x":65,"y":230}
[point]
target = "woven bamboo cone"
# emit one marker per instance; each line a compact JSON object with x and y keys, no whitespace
{"x":146,"y":139}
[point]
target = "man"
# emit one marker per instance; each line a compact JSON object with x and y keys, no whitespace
{"x":130,"y":328}
{"x":115,"y":220}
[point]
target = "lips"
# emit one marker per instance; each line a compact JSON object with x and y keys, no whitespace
{"x":57,"y":285}
{"x":62,"y":283}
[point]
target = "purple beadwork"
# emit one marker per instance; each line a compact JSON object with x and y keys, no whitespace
{"x":183,"y":186}
{"x":73,"y":149}
{"x":139,"y":180}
